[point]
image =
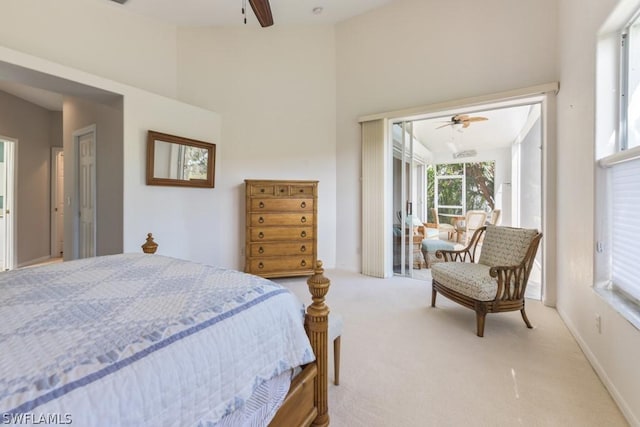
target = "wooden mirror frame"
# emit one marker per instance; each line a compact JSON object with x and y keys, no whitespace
{"x":154,"y":136}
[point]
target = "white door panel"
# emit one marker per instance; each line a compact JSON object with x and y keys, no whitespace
{"x":86,"y":194}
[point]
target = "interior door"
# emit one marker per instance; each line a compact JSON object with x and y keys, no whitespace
{"x":406,"y":245}
{"x":57,"y":202}
{"x":7,"y":204}
{"x":86,"y":194}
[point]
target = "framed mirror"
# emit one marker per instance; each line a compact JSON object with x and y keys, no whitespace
{"x":184,"y":162}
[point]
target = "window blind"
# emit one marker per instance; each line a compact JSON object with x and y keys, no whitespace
{"x":625,"y":204}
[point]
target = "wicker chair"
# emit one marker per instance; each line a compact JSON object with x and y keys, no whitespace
{"x":448,"y":228}
{"x":473,"y":220}
{"x":497,"y":282}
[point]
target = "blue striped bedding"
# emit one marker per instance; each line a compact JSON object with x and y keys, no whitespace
{"x":138,"y":339}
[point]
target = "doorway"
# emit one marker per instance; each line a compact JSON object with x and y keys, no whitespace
{"x":8,"y":148}
{"x":493,"y":163}
{"x":57,"y":202}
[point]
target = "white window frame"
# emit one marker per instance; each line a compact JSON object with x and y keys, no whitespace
{"x":613,"y":67}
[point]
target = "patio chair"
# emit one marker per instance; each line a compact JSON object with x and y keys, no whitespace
{"x":497,"y":282}
{"x":473,"y":221}
{"x":495,"y":216}
{"x":445,"y":228}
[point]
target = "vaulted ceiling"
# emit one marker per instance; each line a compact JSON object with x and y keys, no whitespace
{"x":228,"y":12}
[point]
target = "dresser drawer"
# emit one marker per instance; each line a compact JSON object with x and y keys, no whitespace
{"x":276,"y":264}
{"x":282,"y":190}
{"x":281,"y":205}
{"x":259,"y":219}
{"x":264,"y":190}
{"x":259,"y":234}
{"x":280,"y":249}
{"x":301,"y":189}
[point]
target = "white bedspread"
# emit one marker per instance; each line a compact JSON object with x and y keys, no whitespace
{"x":140,"y":340}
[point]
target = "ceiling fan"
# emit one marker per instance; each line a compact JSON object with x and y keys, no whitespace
{"x":462,"y":119}
{"x":261,"y":8}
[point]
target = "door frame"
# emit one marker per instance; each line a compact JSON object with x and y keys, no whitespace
{"x":91,"y":129}
{"x":54,"y":194}
{"x":408,"y":204}
{"x":10,"y":204}
{"x":544,"y":94}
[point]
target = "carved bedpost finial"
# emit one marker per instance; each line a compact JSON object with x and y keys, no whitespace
{"x":149,"y":247}
{"x":317,"y":324}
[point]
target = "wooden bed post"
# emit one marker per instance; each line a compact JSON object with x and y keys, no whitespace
{"x":149,"y":246}
{"x":317,"y":326}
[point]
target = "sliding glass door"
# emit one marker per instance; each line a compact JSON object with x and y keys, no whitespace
{"x":408,"y":201}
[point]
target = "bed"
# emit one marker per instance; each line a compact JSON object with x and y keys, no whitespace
{"x":137,"y":339}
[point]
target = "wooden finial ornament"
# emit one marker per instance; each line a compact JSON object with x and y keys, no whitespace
{"x":317,"y":325}
{"x":149,"y":247}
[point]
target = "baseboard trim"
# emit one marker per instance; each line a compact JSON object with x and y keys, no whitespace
{"x":602,"y":374}
{"x":34,"y":261}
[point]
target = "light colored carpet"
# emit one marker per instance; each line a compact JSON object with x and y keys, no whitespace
{"x":407,"y":364}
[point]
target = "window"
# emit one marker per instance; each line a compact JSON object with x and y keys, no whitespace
{"x":630,"y":86}
{"x":618,"y":180}
{"x":455,"y":188}
{"x":625,"y":217}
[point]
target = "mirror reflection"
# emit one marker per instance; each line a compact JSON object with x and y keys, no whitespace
{"x":177,"y":161}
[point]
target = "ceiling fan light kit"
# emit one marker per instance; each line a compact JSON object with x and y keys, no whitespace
{"x":465,"y":153}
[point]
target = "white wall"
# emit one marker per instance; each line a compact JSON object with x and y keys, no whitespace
{"x":96,"y":36}
{"x":531,"y":179}
{"x":275,"y":90}
{"x":614,"y":352}
{"x":184,"y":222}
{"x":30,"y":125}
{"x":187,"y":223}
{"x":417,"y":52}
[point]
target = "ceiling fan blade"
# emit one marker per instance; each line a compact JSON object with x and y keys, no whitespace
{"x":262,"y":9}
{"x":476,"y":119}
{"x":466,"y":124}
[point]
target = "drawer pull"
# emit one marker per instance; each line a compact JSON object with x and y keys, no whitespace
{"x":303,"y":204}
{"x":303,"y":263}
{"x":261,"y":205}
{"x":303,"y":234}
{"x":302,"y":190}
{"x":303,"y":248}
{"x":261,"y":265}
{"x":261,"y":235}
{"x":260,"y":250}
{"x":260,"y":220}
{"x":282,"y":190}
{"x":262,"y":190}
{"x":303,"y":219}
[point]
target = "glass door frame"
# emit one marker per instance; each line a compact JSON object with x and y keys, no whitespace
{"x":405,"y":215}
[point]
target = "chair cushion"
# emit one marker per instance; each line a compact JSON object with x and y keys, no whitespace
{"x":446,"y":227}
{"x":335,"y":325}
{"x":434,"y":245}
{"x":505,"y":246}
{"x":431,"y":232}
{"x":466,"y":278}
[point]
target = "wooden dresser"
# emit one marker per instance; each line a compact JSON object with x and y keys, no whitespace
{"x":281,"y":234}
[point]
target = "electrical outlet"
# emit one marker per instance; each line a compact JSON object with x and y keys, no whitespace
{"x":598,"y":323}
{"x":599,"y":247}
